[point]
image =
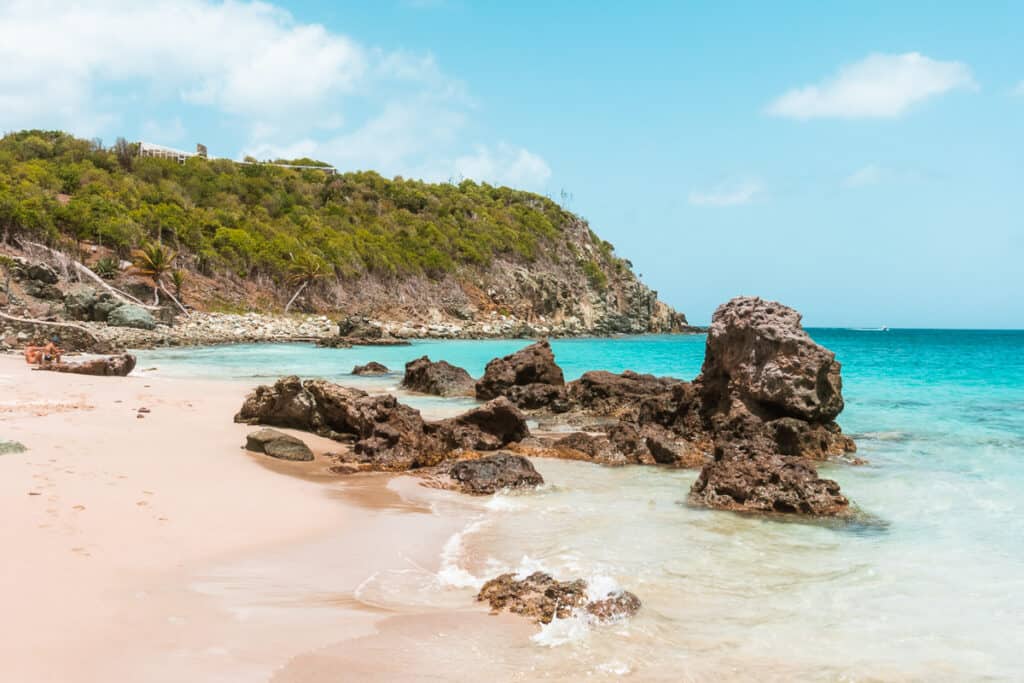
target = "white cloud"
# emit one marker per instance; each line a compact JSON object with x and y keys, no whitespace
{"x":878,"y":86}
{"x":727,"y":194}
{"x":504,"y":165}
{"x":1018,"y":89}
{"x":864,"y":176}
{"x":289,"y":88}
{"x":249,"y":59}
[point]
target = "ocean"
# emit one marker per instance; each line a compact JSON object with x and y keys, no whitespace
{"x":933,"y":591}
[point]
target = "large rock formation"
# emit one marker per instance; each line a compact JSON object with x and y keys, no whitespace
{"x":543,"y":598}
{"x":768,"y":396}
{"x":759,"y":354}
{"x":493,"y":473}
{"x":439,"y":378}
{"x":529,"y":378}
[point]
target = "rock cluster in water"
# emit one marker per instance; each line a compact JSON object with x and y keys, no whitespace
{"x":542,"y":598}
{"x":761,"y":411}
{"x":385,"y":434}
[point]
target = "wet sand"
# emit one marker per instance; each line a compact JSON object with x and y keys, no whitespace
{"x":155,"y":548}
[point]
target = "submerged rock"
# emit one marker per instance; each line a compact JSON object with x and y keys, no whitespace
{"x":370,"y":369}
{"x":542,"y":598}
{"x":278,"y":445}
{"x":533,"y":365}
{"x":492,"y":473}
{"x":438,"y":378}
{"x":110,"y":366}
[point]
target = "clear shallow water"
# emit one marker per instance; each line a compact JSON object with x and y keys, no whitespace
{"x":936,"y":594}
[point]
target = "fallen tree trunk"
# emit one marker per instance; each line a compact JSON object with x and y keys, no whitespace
{"x":174,"y":299}
{"x":82,"y":269}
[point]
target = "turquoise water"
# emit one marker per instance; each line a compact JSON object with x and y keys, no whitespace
{"x":937,"y":593}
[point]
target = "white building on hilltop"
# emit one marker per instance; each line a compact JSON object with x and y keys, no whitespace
{"x":148,"y":149}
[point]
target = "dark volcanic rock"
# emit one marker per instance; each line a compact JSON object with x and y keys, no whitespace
{"x":768,"y":396}
{"x":605,"y":393}
{"x":349,"y":342}
{"x":534,"y":364}
{"x":388,"y":435}
{"x":278,"y":445}
{"x":493,"y":473}
{"x":285,"y":404}
{"x":535,"y":396}
{"x":543,"y":599}
{"x":596,"y":448}
{"x":492,"y":426}
{"x":110,"y":366}
{"x":440,"y":378}
{"x":358,"y":326}
{"x":758,"y":353}
{"x":749,"y":480}
{"x":370,"y":369}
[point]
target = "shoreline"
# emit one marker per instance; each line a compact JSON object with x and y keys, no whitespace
{"x":137,"y":559}
{"x":214,"y":329}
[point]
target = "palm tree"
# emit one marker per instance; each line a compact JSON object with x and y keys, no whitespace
{"x":304,"y":270}
{"x":153,"y":260}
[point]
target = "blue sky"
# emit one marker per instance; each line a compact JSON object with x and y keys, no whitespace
{"x":863,"y":162}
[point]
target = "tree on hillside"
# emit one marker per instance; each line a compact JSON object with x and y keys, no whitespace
{"x":153,"y":260}
{"x":125,"y":152}
{"x":304,"y":270}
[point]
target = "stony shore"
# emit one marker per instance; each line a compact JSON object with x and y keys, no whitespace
{"x":199,"y":329}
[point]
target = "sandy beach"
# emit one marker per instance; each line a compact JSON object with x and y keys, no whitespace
{"x":155,"y":548}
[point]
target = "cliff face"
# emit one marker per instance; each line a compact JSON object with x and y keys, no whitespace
{"x":575,"y":286}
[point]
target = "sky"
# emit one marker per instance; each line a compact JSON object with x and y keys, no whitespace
{"x":862,"y":162}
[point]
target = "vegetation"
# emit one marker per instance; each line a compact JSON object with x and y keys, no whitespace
{"x":106,"y":268}
{"x":153,"y":260}
{"x":258,"y":220}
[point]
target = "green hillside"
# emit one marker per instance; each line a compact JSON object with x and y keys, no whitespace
{"x":261,"y":220}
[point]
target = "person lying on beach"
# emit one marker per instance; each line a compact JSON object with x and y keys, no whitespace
{"x":37,"y":355}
